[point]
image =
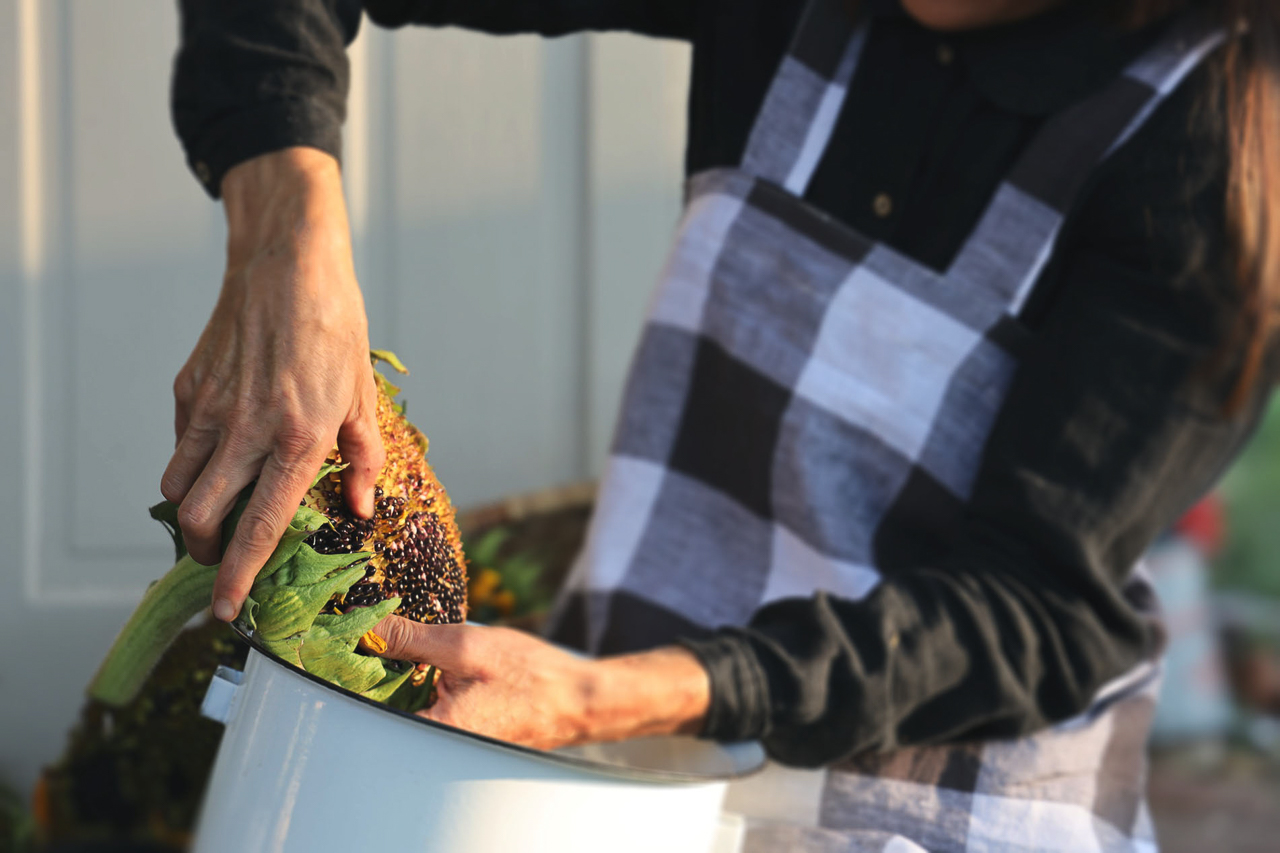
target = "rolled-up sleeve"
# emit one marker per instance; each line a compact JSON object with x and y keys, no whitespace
{"x":252,"y":77}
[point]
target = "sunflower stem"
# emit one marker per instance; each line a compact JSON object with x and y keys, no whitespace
{"x":167,"y":606}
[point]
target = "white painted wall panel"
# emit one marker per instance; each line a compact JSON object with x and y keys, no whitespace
{"x":105,"y":249}
{"x":141,"y":250}
{"x":15,"y":762}
{"x":486,"y":241}
{"x":124,"y":258}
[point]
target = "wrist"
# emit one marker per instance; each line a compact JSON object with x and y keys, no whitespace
{"x":282,"y":199}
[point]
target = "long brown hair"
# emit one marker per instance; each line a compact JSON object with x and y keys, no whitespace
{"x":1252,"y":111}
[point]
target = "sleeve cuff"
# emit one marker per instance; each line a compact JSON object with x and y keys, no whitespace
{"x":739,"y":708}
{"x":261,"y":130}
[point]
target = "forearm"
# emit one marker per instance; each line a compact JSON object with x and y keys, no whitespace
{"x":658,"y":692}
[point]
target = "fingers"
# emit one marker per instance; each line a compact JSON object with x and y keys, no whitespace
{"x":438,"y":645}
{"x":190,"y":452}
{"x":194,"y":450}
{"x":360,"y":444}
{"x":285,"y":478}
{"x":206,"y":504}
{"x":181,"y":419}
{"x":184,"y":393}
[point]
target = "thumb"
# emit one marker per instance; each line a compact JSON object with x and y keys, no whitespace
{"x":438,"y":645}
{"x":360,"y":444}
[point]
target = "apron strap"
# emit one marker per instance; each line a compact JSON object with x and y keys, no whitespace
{"x":799,"y":112}
{"x":1016,"y":235}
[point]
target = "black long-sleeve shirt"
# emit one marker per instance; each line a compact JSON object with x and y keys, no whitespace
{"x":1115,"y":422}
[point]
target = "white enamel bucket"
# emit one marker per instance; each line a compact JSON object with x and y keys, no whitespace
{"x":306,"y":766}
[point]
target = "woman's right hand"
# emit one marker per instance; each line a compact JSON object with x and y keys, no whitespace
{"x":281,"y":370}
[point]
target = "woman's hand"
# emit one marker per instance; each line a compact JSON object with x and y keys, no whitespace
{"x":281,"y":370}
{"x":515,"y":687}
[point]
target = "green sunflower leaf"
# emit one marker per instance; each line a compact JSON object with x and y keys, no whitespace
{"x":396,"y":676}
{"x":166,"y":513}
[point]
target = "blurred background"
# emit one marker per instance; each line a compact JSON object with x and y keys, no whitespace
{"x":511,"y":201}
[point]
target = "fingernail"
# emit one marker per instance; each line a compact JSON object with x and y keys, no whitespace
{"x":223,"y":609}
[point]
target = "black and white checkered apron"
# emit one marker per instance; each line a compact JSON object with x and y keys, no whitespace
{"x":807,"y":410}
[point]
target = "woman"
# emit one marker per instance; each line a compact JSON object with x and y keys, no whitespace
{"x":969,"y":301}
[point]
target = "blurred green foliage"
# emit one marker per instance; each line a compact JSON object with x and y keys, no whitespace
{"x":1250,"y":562}
{"x":504,"y":585}
{"x":17,"y":827}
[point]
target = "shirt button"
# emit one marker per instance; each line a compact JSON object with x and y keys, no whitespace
{"x":945,"y":54}
{"x":202,"y":171}
{"x":882,"y":205}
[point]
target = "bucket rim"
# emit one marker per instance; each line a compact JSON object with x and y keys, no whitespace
{"x":749,"y":767}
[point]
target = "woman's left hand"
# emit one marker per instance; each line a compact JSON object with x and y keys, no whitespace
{"x":515,"y":687}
